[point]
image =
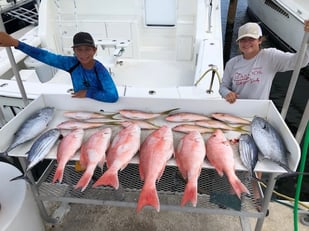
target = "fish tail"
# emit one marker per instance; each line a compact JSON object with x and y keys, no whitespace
{"x":148,"y":196}
{"x":241,"y":128}
{"x":169,"y":111}
{"x":239,"y":187}
{"x":58,"y":175}
{"x":190,"y":194}
{"x":21,"y":177}
{"x":108,"y":178}
{"x":110,"y":116}
{"x":286,"y":167}
{"x":4,"y":154}
{"x":84,"y":180}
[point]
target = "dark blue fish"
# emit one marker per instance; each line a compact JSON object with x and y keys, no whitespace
{"x":269,"y":142}
{"x":248,"y":152}
{"x":31,"y":128}
{"x":39,"y":149}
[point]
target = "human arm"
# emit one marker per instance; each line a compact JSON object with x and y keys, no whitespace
{"x":7,"y":41}
{"x":226,"y":86}
{"x":108,"y":91}
{"x":95,"y":83}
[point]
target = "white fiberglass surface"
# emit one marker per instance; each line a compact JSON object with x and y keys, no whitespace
{"x":153,"y":73}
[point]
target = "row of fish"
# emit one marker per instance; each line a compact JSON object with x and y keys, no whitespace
{"x":154,"y":152}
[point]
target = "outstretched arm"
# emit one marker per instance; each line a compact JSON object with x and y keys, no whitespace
{"x":7,"y":40}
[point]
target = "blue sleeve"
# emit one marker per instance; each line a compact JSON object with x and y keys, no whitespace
{"x":49,"y":58}
{"x":98,"y":83}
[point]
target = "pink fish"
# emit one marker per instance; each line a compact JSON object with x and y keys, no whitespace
{"x":67,"y":147}
{"x":122,"y":149}
{"x":190,"y":155}
{"x":143,"y":124}
{"x":220,"y":154}
{"x":154,"y":153}
{"x":186,"y":117}
{"x":229,"y":118}
{"x":85,"y":115}
{"x":74,"y":124}
{"x":186,"y":128}
{"x":142,"y":115}
{"x":92,"y":153}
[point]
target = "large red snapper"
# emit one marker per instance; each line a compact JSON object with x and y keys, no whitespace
{"x":189,"y":155}
{"x":122,"y":149}
{"x":220,"y":154}
{"x":67,"y":147}
{"x":92,"y":153}
{"x":154,"y":153}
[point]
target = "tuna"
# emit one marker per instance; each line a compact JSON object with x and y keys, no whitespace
{"x":248,"y":153}
{"x":124,"y":146}
{"x":92,"y":154}
{"x":154,"y":153}
{"x":269,"y":142}
{"x":39,"y":149}
{"x":67,"y":148}
{"x":220,"y":154}
{"x":190,"y":155}
{"x":31,"y":128}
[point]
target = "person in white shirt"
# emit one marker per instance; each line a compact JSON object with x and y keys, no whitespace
{"x":250,"y":74}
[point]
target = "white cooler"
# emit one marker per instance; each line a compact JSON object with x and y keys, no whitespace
{"x":19,"y":210}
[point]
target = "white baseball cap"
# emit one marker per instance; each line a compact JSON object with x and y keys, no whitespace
{"x":250,"y":29}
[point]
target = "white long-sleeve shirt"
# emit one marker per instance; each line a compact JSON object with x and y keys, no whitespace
{"x":252,"y":78}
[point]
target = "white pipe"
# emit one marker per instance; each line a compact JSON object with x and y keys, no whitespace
{"x":14,"y":68}
{"x":295,"y":75}
{"x":303,"y":124}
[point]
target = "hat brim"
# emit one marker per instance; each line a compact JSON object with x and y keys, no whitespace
{"x":248,"y":35}
{"x":83,"y":44}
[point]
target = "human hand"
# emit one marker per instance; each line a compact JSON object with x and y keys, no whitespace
{"x":231,"y":97}
{"x":79,"y":94}
{"x":306,"y":25}
{"x":7,"y":41}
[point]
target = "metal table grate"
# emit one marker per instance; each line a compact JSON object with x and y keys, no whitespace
{"x":170,"y":190}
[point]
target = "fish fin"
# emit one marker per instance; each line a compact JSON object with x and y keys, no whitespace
{"x":4,"y":154}
{"x":58,"y":175}
{"x":148,"y":196}
{"x":190,"y":194}
{"x":241,"y":128}
{"x":238,"y":187}
{"x":84,"y":180}
{"x":153,"y":124}
{"x":108,"y":178}
{"x":23,"y":176}
{"x":169,"y":111}
{"x":285,"y":167}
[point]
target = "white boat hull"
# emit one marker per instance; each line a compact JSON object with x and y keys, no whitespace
{"x":284,"y":19}
{"x":157,"y":62}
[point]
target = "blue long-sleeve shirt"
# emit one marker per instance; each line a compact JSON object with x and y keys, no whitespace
{"x":97,"y":81}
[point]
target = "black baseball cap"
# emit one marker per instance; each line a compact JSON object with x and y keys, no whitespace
{"x":83,"y":39}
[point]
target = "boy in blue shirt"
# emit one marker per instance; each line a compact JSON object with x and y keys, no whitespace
{"x":89,"y":77}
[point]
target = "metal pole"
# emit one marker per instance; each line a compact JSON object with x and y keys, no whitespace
{"x":303,"y":124}
{"x":289,"y":94}
{"x":14,"y":68}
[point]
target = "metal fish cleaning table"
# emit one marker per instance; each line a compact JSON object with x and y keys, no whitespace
{"x":214,"y":195}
